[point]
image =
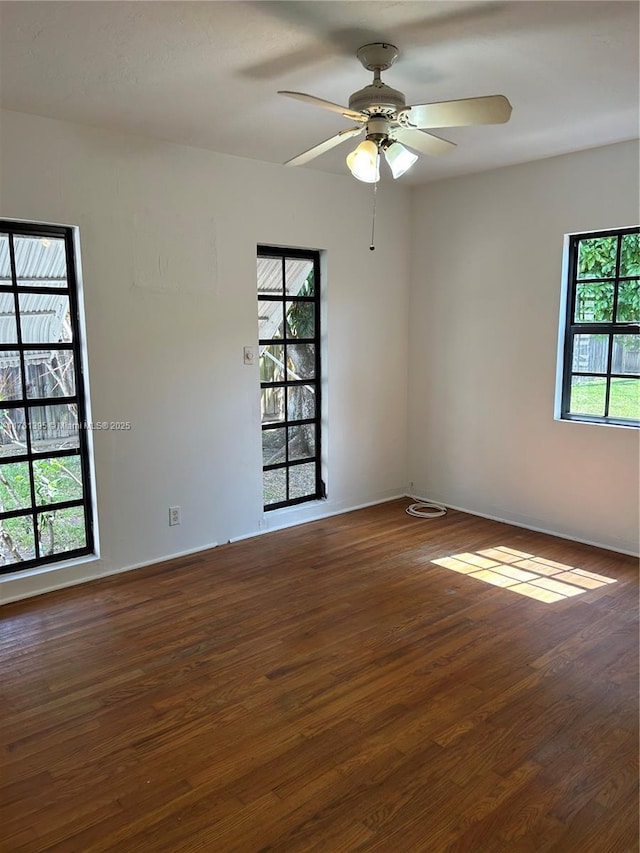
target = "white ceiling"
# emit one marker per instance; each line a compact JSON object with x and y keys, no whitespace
{"x":206,"y":73}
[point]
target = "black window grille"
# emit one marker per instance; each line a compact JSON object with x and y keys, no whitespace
{"x":290,"y":381}
{"x":601,"y":369}
{"x":45,"y":494}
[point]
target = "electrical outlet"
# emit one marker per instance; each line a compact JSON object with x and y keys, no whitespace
{"x":174,"y":516}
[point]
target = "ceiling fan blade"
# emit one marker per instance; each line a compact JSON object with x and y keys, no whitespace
{"x":492,"y":109}
{"x":303,"y":158}
{"x":326,"y":105}
{"x":426,"y":143}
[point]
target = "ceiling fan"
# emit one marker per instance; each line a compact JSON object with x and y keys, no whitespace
{"x":382,"y":114}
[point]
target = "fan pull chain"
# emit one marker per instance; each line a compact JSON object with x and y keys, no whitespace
{"x":372,"y":247}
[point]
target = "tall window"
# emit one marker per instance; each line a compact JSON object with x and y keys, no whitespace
{"x":45,"y":511}
{"x":601,"y":367}
{"x":289,"y":342}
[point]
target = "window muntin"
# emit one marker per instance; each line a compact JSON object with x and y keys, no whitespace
{"x":288,"y":282}
{"x":45,"y":504}
{"x":601,"y":367}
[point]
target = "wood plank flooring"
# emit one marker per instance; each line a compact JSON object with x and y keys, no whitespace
{"x":325,"y":688}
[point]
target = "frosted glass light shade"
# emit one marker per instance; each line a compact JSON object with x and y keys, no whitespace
{"x":363,"y":162}
{"x":399,"y":158}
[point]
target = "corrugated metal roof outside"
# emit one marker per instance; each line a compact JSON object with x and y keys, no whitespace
{"x":43,"y":316}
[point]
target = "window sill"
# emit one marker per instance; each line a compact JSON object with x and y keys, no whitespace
{"x":587,"y":422}
{"x":36,"y":571}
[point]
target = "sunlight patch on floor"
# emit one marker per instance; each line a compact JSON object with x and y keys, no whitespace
{"x":526,"y":574}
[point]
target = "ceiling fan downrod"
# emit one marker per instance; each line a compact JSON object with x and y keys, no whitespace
{"x":377,"y":98}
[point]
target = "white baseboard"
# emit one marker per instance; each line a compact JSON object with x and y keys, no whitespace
{"x":318,"y":517}
{"x":531,"y":526}
{"x":58,"y":583}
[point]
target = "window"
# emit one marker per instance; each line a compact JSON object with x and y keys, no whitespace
{"x":601,"y":363}
{"x":45,"y":511}
{"x":289,"y":343}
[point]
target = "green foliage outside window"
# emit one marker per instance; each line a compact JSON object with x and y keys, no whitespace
{"x":56,"y":480}
{"x":597,"y":259}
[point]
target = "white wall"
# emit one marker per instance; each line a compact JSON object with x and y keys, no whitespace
{"x":486,"y":277}
{"x":168,"y":238}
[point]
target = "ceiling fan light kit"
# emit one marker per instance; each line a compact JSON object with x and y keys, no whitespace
{"x":382,"y":114}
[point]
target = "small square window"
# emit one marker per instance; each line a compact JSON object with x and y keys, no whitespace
{"x":601,"y":359}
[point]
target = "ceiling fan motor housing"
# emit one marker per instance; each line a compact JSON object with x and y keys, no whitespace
{"x":377,"y":98}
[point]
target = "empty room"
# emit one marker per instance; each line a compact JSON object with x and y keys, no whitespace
{"x":319,"y":420}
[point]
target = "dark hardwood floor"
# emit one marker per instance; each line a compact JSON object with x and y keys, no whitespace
{"x":328,"y":688}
